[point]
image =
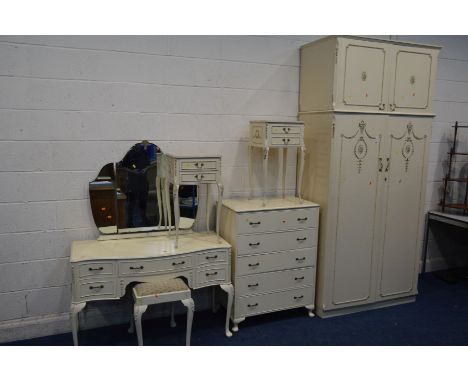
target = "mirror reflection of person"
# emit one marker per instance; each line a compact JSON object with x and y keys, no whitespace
{"x":136,"y":162}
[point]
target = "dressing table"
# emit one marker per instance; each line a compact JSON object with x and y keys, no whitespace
{"x":130,"y":202}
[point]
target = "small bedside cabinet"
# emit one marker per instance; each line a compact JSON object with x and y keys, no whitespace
{"x":274,"y":254}
{"x":276,"y":135}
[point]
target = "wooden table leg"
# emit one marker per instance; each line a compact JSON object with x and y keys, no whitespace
{"x":229,"y":289}
{"x":75,"y":309}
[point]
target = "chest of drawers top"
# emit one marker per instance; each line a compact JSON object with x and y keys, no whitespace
{"x":276,"y":134}
{"x":190,"y":169}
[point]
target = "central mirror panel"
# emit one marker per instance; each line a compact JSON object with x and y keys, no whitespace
{"x":128,"y":196}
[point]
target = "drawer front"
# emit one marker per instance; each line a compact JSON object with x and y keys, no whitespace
{"x":285,"y":140}
{"x":270,"y":262}
{"x":274,"y":281}
{"x":276,"y":241}
{"x":211,"y":275}
{"x":143,"y":267}
{"x":249,"y":306}
{"x":95,"y":269}
{"x":197,"y":165}
{"x":96,"y":288}
{"x":278,"y":220}
{"x":286,"y":130}
{"x":198,"y":177}
{"x":214,"y":257}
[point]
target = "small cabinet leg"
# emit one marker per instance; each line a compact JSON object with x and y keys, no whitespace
{"x":236,"y":322}
{"x":265,"y":173}
{"x":190,"y":305}
{"x":75,"y":309}
{"x":176,"y":212}
{"x":173,"y":323}
{"x":218,"y":208}
{"x":301,"y":173}
{"x":310,"y":308}
{"x":138,"y":311}
{"x":229,"y":289}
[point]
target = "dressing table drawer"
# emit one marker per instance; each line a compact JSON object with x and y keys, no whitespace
{"x":197,"y":165}
{"x":95,"y":269}
{"x":198,"y":177}
{"x":212,"y":257}
{"x":279,"y":220}
{"x":285,"y":141}
{"x":275,"y":130}
{"x":276,"y":241}
{"x":211,"y":275}
{"x":96,"y":288}
{"x":127,"y":268}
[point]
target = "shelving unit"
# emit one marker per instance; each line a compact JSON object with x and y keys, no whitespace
{"x":448,"y":178}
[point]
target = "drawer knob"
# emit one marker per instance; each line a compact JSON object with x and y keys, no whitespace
{"x":254,"y":244}
{"x":95,"y":269}
{"x":300,"y":258}
{"x":109,"y":217}
{"x":103,"y":209}
{"x":254,"y":223}
{"x":301,"y":238}
{"x":140,"y":267}
{"x":299,"y":278}
{"x":211,"y":274}
{"x":286,"y":140}
{"x":286,"y":129}
{"x":253,"y":285}
{"x":254,"y":265}
{"x":179,"y":263}
{"x":301,"y":219}
{"x":252,"y":305}
{"x":96,"y":287}
{"x":199,"y":176}
{"x":211,"y":257}
{"x":298,"y":297}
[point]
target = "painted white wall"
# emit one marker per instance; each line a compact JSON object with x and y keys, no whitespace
{"x":68,"y":105}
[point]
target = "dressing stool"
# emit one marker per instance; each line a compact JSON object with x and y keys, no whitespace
{"x":158,"y":292}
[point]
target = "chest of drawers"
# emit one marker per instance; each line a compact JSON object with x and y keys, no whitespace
{"x":274,"y":254}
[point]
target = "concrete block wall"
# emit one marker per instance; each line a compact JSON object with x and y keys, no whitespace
{"x":69,"y":105}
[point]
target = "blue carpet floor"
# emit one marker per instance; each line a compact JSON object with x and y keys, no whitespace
{"x":438,"y":317}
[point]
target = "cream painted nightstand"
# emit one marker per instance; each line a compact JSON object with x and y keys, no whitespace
{"x":276,"y":135}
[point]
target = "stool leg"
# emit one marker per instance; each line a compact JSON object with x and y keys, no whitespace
{"x":190,"y":309}
{"x":138,"y":311}
{"x":173,"y":323}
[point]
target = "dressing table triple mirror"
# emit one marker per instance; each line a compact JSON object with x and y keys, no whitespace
{"x":131,"y":205}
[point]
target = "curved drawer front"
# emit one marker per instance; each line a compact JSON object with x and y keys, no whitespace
{"x":96,"y":288}
{"x":95,"y":269}
{"x":274,"y":281}
{"x":197,"y":165}
{"x":194,"y":177}
{"x":249,"y":306}
{"x":214,"y":257}
{"x":276,"y":241}
{"x":290,"y":140}
{"x":276,"y":261}
{"x":127,"y":268}
{"x":279,"y":220}
{"x":211,"y":275}
{"x":286,"y":130}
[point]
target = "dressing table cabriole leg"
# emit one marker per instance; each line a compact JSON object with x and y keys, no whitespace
{"x":176,"y":211}
{"x":301,"y":173}
{"x":266,"y":150}
{"x":158,"y":196}
{"x":236,"y":322}
{"x":229,"y":289}
{"x":285,"y":166}
{"x":75,"y":309}
{"x":138,"y":311}
{"x":173,"y":323}
{"x":190,"y":309}
{"x":310,"y":308}
{"x":250,"y":158}
{"x":218,"y":208}
{"x":208,"y":201}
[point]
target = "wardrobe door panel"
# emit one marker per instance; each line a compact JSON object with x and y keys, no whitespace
{"x":406,"y":142}
{"x":357,"y":145}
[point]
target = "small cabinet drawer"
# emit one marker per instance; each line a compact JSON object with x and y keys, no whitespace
{"x":197,"y":165}
{"x":212,"y":257}
{"x":97,"y":288}
{"x":211,"y":275}
{"x":249,"y":306}
{"x":276,"y":241}
{"x":154,"y":266}
{"x":276,"y":261}
{"x":286,"y":130}
{"x":279,"y":220}
{"x":95,"y":269}
{"x":274,"y":281}
{"x":285,"y":141}
{"x":198,"y":177}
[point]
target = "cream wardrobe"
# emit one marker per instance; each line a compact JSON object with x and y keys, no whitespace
{"x":367,"y":109}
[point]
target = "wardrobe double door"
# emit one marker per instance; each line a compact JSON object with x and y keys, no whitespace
{"x":378,"y":175}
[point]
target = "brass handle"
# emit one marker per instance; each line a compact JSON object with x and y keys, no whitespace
{"x":179,"y":263}
{"x":199,"y":176}
{"x":254,"y":244}
{"x":252,"y":305}
{"x":211,"y":257}
{"x":254,"y":223}
{"x":380,"y":165}
{"x":96,"y":269}
{"x":286,"y":129}
{"x":286,"y":140}
{"x":254,"y":265}
{"x":298,"y":297}
{"x":299,"y":278}
{"x":300,"y":258}
{"x":96,"y":287}
{"x":392,"y":107}
{"x":301,"y":219}
{"x":301,"y":238}
{"x":140,"y":267}
{"x":388,"y":165}
{"x":381,"y":106}
{"x":211,"y":274}
{"x":253,"y":285}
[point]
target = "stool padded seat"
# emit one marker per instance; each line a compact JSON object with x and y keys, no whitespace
{"x":158,"y":287}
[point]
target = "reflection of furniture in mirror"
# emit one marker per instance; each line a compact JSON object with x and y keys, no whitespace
{"x":193,"y":171}
{"x":268,"y":135}
{"x":129,"y":196}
